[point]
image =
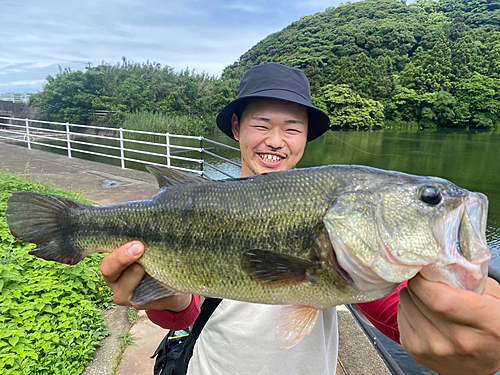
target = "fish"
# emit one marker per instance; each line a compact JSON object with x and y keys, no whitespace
{"x":308,"y":238}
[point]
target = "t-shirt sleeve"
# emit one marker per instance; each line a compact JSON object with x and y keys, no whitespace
{"x":383,"y":314}
{"x":176,"y":321}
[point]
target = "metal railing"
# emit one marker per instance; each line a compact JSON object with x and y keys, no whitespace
{"x":119,"y":144}
{"x":15,"y":97}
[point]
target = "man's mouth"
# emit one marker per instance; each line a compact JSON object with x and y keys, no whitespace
{"x":270,"y":158}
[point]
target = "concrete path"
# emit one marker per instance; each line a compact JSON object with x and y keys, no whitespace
{"x":93,"y":180}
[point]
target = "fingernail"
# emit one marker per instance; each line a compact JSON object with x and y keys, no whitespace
{"x":134,"y":250}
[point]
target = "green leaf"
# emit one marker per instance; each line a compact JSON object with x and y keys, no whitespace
{"x":14,"y":340}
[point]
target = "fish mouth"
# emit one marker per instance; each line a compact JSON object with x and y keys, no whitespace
{"x":461,"y":232}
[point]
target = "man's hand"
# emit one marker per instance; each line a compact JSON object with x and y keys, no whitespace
{"x":451,"y":331}
{"x":123,"y":275}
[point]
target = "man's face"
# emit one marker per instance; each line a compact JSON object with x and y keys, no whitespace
{"x":272,"y":135}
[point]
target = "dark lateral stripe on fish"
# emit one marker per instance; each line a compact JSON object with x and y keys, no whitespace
{"x":52,"y":223}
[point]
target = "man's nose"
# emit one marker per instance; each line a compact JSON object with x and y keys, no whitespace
{"x":275,"y":139}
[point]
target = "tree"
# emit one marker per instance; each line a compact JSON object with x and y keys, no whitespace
{"x":479,"y":101}
{"x":430,"y":71}
{"x":348,"y":109}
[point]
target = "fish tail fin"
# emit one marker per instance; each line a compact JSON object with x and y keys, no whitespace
{"x":41,"y":219}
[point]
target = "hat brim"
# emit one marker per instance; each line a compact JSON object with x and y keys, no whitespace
{"x":319,"y":122}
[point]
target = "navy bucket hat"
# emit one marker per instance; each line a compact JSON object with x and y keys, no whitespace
{"x":275,"y":81}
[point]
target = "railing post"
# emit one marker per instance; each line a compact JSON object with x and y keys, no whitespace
{"x":28,"y":133}
{"x":68,"y":140}
{"x":201,"y":157}
{"x":122,"y":151}
{"x":167,"y":138}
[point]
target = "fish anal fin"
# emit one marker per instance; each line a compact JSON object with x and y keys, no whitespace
{"x":168,"y":177}
{"x":150,"y":290}
{"x":278,"y":270}
{"x":294,"y":323}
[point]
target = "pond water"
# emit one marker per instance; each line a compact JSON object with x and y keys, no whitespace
{"x":469,"y":159}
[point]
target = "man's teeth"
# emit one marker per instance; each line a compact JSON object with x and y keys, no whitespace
{"x":270,"y":158}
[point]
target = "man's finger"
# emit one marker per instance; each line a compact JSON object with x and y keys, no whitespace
{"x":440,"y":302}
{"x":124,"y":287}
{"x":115,"y":263}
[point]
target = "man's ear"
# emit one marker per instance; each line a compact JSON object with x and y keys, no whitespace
{"x":235,"y":126}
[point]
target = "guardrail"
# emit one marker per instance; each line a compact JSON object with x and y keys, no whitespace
{"x":118,"y":144}
{"x":15,"y":97}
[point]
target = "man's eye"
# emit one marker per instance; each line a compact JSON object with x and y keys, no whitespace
{"x":293,"y":131}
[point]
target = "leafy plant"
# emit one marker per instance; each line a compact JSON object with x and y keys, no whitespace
{"x":50,"y":314}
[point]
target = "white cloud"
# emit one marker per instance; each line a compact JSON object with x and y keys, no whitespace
{"x":37,"y":37}
{"x":250,"y":8}
{"x":34,"y":83}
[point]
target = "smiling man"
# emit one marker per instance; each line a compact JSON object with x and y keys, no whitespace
{"x":273,"y":119}
{"x":272,"y":135}
{"x":451,"y":331}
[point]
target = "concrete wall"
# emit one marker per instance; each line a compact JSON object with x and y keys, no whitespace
{"x":19,"y":110}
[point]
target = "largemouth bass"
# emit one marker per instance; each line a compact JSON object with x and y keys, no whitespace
{"x":311,"y":238}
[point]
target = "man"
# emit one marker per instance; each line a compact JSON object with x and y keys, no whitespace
{"x":447,"y":330}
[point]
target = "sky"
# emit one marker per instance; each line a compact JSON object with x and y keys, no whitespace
{"x":39,"y":36}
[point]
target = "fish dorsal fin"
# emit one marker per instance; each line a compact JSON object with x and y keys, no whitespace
{"x":294,"y":324}
{"x":168,"y":177}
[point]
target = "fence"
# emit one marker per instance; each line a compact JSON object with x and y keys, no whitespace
{"x":126,"y":146}
{"x":15,"y":97}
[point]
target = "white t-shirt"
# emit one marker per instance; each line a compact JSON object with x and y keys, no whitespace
{"x":240,"y":339}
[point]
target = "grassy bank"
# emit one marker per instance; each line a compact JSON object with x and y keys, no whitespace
{"x":50,"y":314}
{"x":158,"y":123}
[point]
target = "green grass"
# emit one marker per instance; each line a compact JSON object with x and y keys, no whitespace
{"x":159,"y":123}
{"x":50,"y":314}
{"x":128,"y":340}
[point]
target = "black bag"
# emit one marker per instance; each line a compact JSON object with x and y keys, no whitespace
{"x":174,"y":352}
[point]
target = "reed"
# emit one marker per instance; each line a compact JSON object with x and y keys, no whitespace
{"x":158,"y":123}
{"x":165,"y":123}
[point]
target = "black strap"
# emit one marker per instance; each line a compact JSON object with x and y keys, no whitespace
{"x":207,"y":308}
{"x":177,"y":360}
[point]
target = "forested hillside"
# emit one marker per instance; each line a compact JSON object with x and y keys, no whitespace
{"x":435,"y":63}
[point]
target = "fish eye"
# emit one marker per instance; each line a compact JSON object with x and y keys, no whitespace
{"x":430,"y":195}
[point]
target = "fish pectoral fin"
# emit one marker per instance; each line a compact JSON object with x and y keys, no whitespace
{"x":150,"y":290}
{"x":167,"y":177}
{"x":294,"y":323}
{"x":277,"y":270}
